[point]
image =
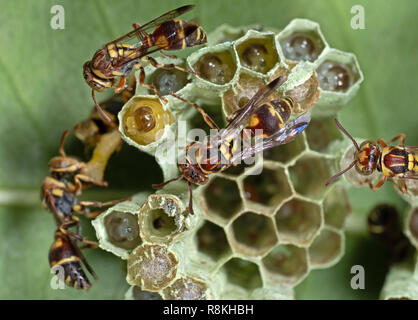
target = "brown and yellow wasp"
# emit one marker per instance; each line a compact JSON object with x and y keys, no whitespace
{"x":117,"y":58}
{"x":59,"y":193}
{"x":221,"y":151}
{"x":400,"y":162}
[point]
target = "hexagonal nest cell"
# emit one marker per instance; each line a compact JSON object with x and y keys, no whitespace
{"x":159,"y":224}
{"x":286,"y":263}
{"x":151,"y":267}
{"x":338,"y":72}
{"x":336,"y":207}
{"x":254,"y":234}
{"x":212,"y":241}
{"x":302,"y":46}
{"x":186,"y":288}
{"x":166,"y":81}
{"x":298,"y":221}
{"x":122,"y":229}
{"x":321,"y":133}
{"x":258,"y":54}
{"x":309,"y":175}
{"x":243,"y":273}
{"x":287,"y":152}
{"x":222,"y":198}
{"x":326,"y":248}
{"x":269,"y":188}
{"x":217,"y":67}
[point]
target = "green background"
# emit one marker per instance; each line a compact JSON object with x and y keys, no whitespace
{"x":42,"y":92}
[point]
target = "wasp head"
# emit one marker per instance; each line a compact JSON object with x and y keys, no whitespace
{"x":92,"y":80}
{"x":192,"y":173}
{"x":367,"y":157}
{"x":61,"y":167}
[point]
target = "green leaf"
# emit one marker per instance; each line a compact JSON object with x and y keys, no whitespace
{"x":43,"y":93}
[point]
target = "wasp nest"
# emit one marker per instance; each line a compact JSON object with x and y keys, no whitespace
{"x":258,"y":229}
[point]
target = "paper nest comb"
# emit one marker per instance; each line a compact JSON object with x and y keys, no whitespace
{"x":252,"y":236}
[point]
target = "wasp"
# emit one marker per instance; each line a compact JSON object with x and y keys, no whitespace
{"x":383,"y":224}
{"x":221,"y":150}
{"x":59,"y":193}
{"x":117,"y":58}
{"x":398,"y":161}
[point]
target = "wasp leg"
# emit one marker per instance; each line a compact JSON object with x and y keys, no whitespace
{"x":169,"y":66}
{"x":102,"y":113}
{"x":149,"y":86}
{"x":168,"y":55}
{"x":75,"y":222}
{"x":382,"y":143}
{"x":63,"y":137}
{"x":401,"y":138}
{"x":122,"y":85}
{"x":380,"y":183}
{"x":401,"y":184}
{"x":80,"y":178}
{"x":191,"y":198}
{"x":205,"y":116}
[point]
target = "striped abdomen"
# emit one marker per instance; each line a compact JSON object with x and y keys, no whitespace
{"x":394,"y":161}
{"x":63,"y":254}
{"x":271,"y":116}
{"x":176,"y":35}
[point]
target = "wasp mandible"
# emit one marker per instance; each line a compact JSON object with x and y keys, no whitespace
{"x":220,"y":151}
{"x":117,"y":58}
{"x":398,"y":161}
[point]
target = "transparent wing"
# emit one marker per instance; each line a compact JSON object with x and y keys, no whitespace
{"x":139,"y":32}
{"x":234,"y":127}
{"x":290,"y":131}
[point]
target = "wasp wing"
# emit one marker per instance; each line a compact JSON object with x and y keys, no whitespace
{"x":79,"y":254}
{"x":234,"y":127}
{"x":140,"y":52}
{"x":142,"y":30}
{"x":286,"y":134}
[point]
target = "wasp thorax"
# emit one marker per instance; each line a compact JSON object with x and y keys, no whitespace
{"x":258,"y":54}
{"x":166,"y":81}
{"x":367,"y":157}
{"x":122,"y":229}
{"x":218,"y":67}
{"x":334,"y":76}
{"x":302,"y":47}
{"x":145,"y":120}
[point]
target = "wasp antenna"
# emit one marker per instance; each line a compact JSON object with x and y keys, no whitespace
{"x":340,"y":173}
{"x":339,"y":125}
{"x":159,"y":186}
{"x":191,"y":198}
{"x":101,"y":112}
{"x":63,"y":137}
